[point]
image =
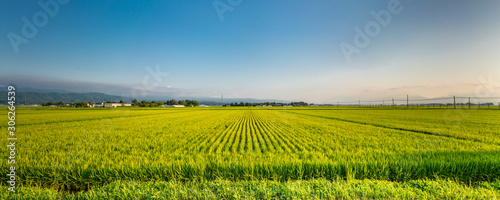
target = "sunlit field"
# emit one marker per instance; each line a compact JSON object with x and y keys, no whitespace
{"x":63,"y":151}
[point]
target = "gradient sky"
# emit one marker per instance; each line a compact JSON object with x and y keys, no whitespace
{"x":269,"y":49}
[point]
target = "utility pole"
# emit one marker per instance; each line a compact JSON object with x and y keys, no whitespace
{"x":407,"y":102}
{"x":221,"y":100}
{"x":393,"y":102}
{"x":454,"y":103}
{"x":469,"y":103}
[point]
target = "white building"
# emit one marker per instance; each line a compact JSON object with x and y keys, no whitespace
{"x":98,"y":105}
{"x":176,"y":106}
{"x":110,"y":105}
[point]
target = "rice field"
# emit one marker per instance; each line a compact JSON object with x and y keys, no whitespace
{"x":83,"y":149}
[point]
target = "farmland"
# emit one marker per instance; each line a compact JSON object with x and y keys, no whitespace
{"x":81,"y":149}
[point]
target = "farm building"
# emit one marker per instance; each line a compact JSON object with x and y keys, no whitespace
{"x":114,"y":104}
{"x":98,"y":105}
{"x":110,"y":105}
{"x":175,"y":106}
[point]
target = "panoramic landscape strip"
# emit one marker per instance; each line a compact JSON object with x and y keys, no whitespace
{"x":70,"y":150}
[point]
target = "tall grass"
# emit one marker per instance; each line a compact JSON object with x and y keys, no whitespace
{"x":82,"y":149}
{"x":310,"y":189}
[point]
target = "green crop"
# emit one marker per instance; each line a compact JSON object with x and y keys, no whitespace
{"x":73,"y":149}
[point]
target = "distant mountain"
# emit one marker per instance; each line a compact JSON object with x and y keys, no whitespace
{"x":29,"y":89}
{"x":41,"y":97}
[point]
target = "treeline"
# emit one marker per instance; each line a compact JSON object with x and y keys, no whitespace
{"x":31,"y":98}
{"x":61,"y":104}
{"x":273,"y":104}
{"x":187,"y":102}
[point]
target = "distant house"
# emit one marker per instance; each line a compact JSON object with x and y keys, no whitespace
{"x":111,"y":105}
{"x":175,"y":106}
{"x":98,"y":105}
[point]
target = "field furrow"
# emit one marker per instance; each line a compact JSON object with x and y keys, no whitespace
{"x":253,"y":143}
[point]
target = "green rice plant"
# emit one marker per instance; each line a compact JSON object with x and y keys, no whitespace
{"x":80,"y":149}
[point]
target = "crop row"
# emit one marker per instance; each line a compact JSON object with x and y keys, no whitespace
{"x":87,"y":150}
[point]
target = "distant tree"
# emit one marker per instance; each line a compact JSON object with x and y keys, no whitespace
{"x":108,"y":101}
{"x":172,"y":102}
{"x":121,"y":101}
{"x":145,"y":103}
{"x":50,"y":103}
{"x":153,"y":105}
{"x":135,"y":102}
{"x":80,"y":104}
{"x":161,"y":103}
{"x":182,"y":102}
{"x":191,"y":103}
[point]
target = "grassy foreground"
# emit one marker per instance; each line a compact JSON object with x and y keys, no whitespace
{"x":297,"y":189}
{"x":73,"y":149}
{"x":254,"y":153}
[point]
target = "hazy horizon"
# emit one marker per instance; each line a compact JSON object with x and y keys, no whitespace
{"x":321,"y":51}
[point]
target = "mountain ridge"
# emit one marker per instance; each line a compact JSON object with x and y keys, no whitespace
{"x":30,"y":98}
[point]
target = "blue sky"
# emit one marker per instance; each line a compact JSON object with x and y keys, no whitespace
{"x":288,"y":50}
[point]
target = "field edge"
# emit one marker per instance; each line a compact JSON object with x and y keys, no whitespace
{"x":262,"y":189}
